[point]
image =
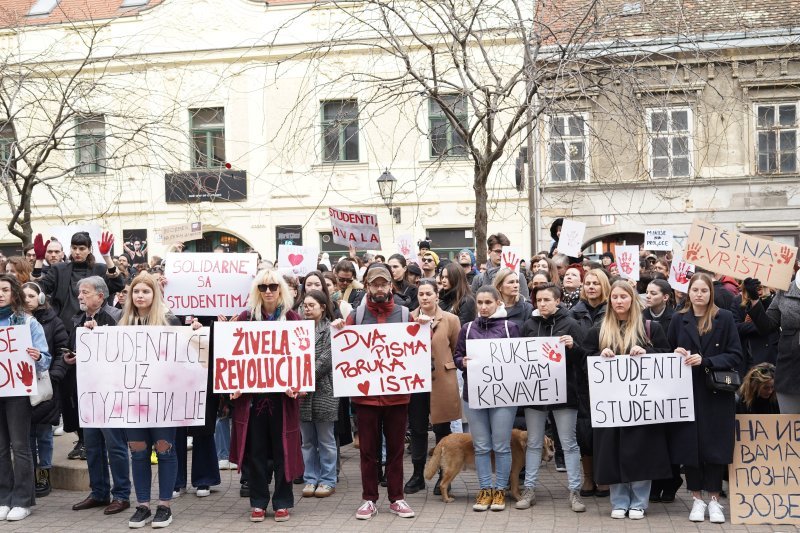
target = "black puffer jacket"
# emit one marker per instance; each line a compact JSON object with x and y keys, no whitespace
{"x":48,"y":412}
{"x":558,"y":324}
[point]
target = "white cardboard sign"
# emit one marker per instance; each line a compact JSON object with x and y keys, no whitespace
{"x":680,"y":272}
{"x":627,"y":261}
{"x":297,"y":260}
{"x":358,"y":229}
{"x":17,"y":369}
{"x":510,"y":257}
{"x":570,"y":242}
{"x":635,"y":390}
{"x":658,"y":239}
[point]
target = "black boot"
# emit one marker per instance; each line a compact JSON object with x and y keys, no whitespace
{"x":417,"y":481}
{"x":42,"y":483}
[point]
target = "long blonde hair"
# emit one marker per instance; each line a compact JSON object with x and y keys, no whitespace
{"x":500,"y":278}
{"x":605,"y":286}
{"x":285,"y":299}
{"x":156,"y":316}
{"x":706,"y":320}
{"x":620,"y":336}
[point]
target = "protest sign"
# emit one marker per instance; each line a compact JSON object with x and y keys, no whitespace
{"x":407,"y":248}
{"x":658,"y":239}
{"x":635,"y":390}
{"x":520,"y":371}
{"x":297,"y":260}
{"x":627,"y":261}
{"x":208,"y":284}
{"x":64,"y":235}
{"x":17,"y":369}
{"x":680,"y":272}
{"x":764,"y":478}
{"x":510,"y":257}
{"x":381,"y":359}
{"x":179,"y":233}
{"x":142,"y":376}
{"x":264,"y":356}
{"x":358,"y":229}
{"x":740,"y":255}
{"x":570,"y":242}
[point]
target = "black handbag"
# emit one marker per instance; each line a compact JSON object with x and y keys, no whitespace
{"x":723,"y":380}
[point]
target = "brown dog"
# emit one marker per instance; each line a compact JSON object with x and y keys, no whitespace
{"x":455,"y":451}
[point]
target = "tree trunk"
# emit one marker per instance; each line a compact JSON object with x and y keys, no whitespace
{"x":481,"y":215}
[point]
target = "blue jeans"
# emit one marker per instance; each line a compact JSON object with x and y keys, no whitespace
{"x":566,"y":420}
{"x":42,"y":445}
{"x":632,"y":495}
{"x":106,"y":448}
{"x":491,"y":431}
{"x":319,"y":453}
{"x":205,"y":468}
{"x":140,"y":461}
{"x":222,"y":438}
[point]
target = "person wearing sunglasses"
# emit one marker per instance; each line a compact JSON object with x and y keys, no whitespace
{"x":266,"y":426}
{"x":429,"y":263}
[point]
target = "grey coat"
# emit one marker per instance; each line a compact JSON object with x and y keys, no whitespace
{"x":320,"y":405}
{"x":783,"y":315}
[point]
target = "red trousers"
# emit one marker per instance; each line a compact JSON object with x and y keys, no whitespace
{"x":392,"y":419}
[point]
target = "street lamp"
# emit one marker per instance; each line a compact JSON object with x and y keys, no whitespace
{"x":386,"y":185}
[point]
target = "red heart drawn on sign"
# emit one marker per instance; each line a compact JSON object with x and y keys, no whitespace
{"x":413,"y":329}
{"x":295,"y":259}
{"x":364,"y":388}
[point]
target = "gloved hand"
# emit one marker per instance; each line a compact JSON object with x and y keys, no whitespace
{"x":751,"y":287}
{"x":105,"y":243}
{"x":40,"y":247}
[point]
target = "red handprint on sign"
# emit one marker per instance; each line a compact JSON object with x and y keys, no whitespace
{"x":302,"y":337}
{"x":626,"y":264}
{"x":550,"y":352}
{"x":405,"y":247}
{"x":692,"y":252}
{"x":785,"y":256}
{"x":510,"y":260}
{"x":25,"y":374}
{"x":681,"y":271}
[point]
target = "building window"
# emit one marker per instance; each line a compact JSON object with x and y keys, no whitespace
{"x":567,"y":148}
{"x":6,"y":144}
{"x":42,"y":7}
{"x":90,"y":145}
{"x":340,"y":130}
{"x":134,"y":3}
{"x":444,"y":140}
{"x":670,"y":142}
{"x":208,"y":137}
{"x":776,"y":131}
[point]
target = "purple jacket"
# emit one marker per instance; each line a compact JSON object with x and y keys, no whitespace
{"x":494,"y":327}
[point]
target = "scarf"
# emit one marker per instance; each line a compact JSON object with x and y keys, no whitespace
{"x":380,"y":310}
{"x":6,"y":312}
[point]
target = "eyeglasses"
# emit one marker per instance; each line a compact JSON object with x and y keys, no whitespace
{"x":496,"y":250}
{"x":273,"y":287}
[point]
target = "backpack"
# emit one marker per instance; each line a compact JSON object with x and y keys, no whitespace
{"x":361,"y":309}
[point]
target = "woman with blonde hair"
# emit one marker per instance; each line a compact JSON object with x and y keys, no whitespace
{"x":757,"y":394}
{"x":706,"y":337}
{"x":145,"y":307}
{"x":617,"y":450}
{"x":266,"y":426}
{"x":506,"y":281}
{"x":589,"y":312}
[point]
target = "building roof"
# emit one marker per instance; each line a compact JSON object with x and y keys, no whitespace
{"x":14,"y":13}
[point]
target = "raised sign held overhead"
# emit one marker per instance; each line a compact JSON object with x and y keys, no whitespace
{"x":354,"y":228}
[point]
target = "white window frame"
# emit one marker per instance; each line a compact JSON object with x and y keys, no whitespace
{"x":450,"y":131}
{"x":568,"y":138}
{"x":95,"y":142}
{"x":341,"y":125}
{"x":650,"y":135}
{"x":775,"y":104}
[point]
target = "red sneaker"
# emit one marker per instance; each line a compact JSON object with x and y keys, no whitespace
{"x":282,"y":515}
{"x":258,"y":515}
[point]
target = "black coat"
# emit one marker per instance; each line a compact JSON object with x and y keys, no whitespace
{"x":63,"y":297}
{"x":783,"y":315}
{"x":587,"y":317}
{"x":406,"y":295}
{"x":49,"y":411}
{"x":558,"y":324}
{"x":467,"y":311}
{"x":632,"y":453}
{"x":69,"y":387}
{"x":214,"y":402}
{"x":664,"y":320}
{"x":756,"y":348}
{"x":709,"y":439}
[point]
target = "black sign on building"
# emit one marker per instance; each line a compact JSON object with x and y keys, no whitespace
{"x":206,"y":186}
{"x":288,"y":235}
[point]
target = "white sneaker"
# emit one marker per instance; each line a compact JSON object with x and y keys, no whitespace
{"x":636,"y":514}
{"x":58,"y":431}
{"x":189,"y":443}
{"x":4,"y":510}
{"x":698,"y":513}
{"x":202,"y":493}
{"x":176,"y":494}
{"x":715,"y":514}
{"x":18,"y":513}
{"x":618,"y":513}
{"x":224,"y":464}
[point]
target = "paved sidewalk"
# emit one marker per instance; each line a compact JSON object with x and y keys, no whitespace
{"x":224,"y":510}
